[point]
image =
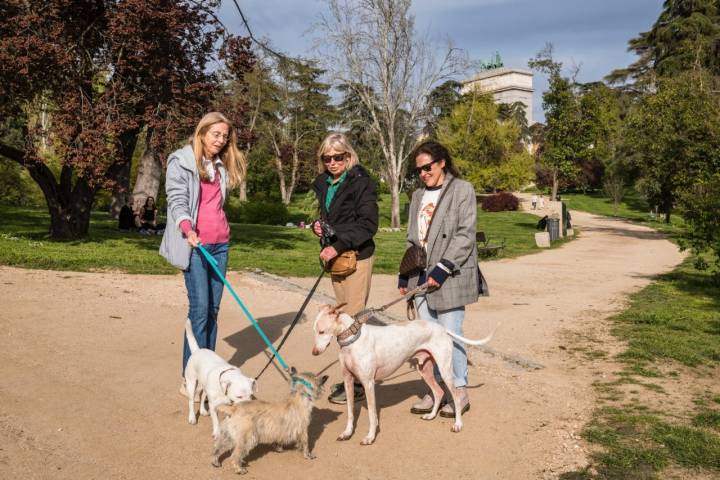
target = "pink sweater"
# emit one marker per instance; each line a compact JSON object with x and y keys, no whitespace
{"x":212,"y":225}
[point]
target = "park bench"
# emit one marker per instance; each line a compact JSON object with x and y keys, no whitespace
{"x":485,"y":247}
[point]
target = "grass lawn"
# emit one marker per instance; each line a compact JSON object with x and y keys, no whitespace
{"x":279,"y":250}
{"x":671,"y":326}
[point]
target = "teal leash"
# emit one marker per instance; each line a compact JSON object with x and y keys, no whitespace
{"x":214,"y":265}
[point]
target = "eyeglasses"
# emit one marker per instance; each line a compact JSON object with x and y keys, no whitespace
{"x":425,"y":168}
{"x":336,"y":158}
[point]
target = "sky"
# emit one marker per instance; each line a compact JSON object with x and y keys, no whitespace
{"x":591,"y":34}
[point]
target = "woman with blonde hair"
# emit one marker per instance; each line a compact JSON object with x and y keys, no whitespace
{"x":198,"y":176}
{"x":348,"y":205}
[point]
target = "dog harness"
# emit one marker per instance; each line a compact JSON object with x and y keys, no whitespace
{"x":350,"y":334}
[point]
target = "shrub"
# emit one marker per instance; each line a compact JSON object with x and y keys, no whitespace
{"x":500,"y":202}
{"x":257,"y":211}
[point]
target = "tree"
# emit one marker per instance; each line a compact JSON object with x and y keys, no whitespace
{"x":489,"y":153}
{"x":441,"y":101}
{"x":675,"y":136}
{"x":297,"y":121}
{"x":563,"y":134}
{"x":686,"y":36}
{"x":371,"y":47}
{"x":515,"y":112}
{"x":104,"y":70}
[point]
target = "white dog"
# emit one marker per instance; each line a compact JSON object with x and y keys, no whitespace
{"x":369,"y":353}
{"x":220,"y":382}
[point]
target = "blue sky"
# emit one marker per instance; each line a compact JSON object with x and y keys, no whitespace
{"x":590,"y":33}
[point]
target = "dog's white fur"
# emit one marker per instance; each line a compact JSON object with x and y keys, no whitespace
{"x":220,"y":382}
{"x":381,"y":350}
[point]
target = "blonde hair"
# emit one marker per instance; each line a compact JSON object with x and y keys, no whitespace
{"x":232,"y":158}
{"x":340,"y":142}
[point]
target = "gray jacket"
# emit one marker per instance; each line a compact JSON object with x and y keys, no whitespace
{"x":182,"y":186}
{"x":451,"y":237}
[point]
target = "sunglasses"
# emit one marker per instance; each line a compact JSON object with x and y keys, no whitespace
{"x":336,"y":158}
{"x":425,"y":168}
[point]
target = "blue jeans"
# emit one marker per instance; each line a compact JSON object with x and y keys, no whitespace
{"x":204,"y":290}
{"x":452,"y":320}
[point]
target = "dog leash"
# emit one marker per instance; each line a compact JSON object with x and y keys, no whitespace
{"x":214,"y":265}
{"x":294,"y":322}
{"x":363,"y":315}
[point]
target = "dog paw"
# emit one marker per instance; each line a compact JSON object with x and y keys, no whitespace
{"x":368,"y":441}
{"x":215,"y":462}
{"x":428,"y":416}
{"x":310,"y":456}
{"x":204,"y":413}
{"x":344,"y":436}
{"x":192,"y":420}
{"x":456,"y":427}
{"x":279,"y":448}
{"x":241,"y":470}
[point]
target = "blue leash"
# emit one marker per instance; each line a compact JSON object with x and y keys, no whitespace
{"x":214,"y":265}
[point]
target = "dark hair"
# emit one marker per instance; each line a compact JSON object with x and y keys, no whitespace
{"x":148,"y":199}
{"x":437,"y":152}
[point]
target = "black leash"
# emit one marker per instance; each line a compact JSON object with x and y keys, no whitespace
{"x":294,"y":322}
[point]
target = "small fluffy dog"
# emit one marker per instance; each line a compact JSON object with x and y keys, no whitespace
{"x":220,"y":382}
{"x":369,"y":353}
{"x":280,"y":423}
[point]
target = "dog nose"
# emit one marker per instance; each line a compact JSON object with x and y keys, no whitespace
{"x":315,"y":351}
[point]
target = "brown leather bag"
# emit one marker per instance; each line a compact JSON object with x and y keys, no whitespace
{"x":344,"y":264}
{"x":414,"y":259}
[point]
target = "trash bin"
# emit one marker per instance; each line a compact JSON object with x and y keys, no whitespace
{"x":553,"y":228}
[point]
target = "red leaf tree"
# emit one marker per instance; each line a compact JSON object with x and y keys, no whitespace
{"x":102,"y":71}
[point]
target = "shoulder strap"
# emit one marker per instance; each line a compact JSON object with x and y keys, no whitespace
{"x":442,"y":194}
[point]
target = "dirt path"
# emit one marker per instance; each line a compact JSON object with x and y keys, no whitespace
{"x":89,"y":371}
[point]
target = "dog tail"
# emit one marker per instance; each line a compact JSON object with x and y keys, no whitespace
{"x":190,"y":337}
{"x":475,"y":343}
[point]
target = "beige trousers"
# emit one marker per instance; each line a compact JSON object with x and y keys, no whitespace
{"x":355,"y":288}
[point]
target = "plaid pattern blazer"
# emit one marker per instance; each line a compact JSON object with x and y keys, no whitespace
{"x":451,"y":237}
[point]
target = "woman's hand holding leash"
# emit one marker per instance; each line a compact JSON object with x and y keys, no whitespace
{"x":192,"y":238}
{"x":328,"y":253}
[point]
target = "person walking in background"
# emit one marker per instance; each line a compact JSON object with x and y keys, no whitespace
{"x":534,"y":201}
{"x":198,"y":176}
{"x":442,"y":220}
{"x":347,"y":198}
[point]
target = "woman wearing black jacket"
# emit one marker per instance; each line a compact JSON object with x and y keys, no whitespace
{"x":348,"y":203}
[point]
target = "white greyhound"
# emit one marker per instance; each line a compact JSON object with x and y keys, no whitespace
{"x":369,"y":353}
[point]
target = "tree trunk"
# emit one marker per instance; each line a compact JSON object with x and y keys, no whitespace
{"x":395,"y":202}
{"x":127,"y":143}
{"x":281,"y":176}
{"x":554,"y":185}
{"x":120,"y":191}
{"x":242,"y":191}
{"x":69,"y":208}
{"x":147,"y":183}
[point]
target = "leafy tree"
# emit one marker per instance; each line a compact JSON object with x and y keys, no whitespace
{"x":685,"y":36}
{"x":488,"y":152}
{"x":675,"y":135}
{"x":441,"y":101}
{"x":103,"y":71}
{"x":564,"y":142}
{"x":298,"y":117}
{"x":516,"y":112}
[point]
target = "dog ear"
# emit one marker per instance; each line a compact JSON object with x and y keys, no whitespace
{"x":323,"y":379}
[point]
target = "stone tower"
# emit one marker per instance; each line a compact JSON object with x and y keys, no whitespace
{"x":507,"y":85}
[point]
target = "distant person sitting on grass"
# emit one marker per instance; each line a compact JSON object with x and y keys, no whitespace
{"x":148,"y":218}
{"x":126,"y":220}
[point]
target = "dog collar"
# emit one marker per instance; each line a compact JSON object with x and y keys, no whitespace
{"x":303,"y":381}
{"x":350,"y":335}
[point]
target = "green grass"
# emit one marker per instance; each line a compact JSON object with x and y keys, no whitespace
{"x":674,"y":321}
{"x":279,"y":250}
